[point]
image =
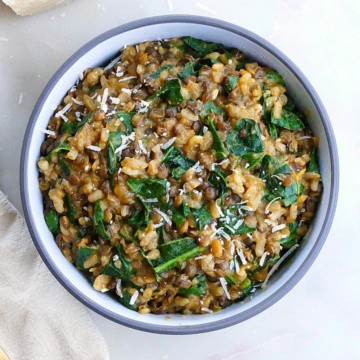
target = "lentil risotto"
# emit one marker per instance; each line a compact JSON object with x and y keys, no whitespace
{"x":179,"y":177}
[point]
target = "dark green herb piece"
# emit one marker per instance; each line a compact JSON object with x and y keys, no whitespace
{"x":275,"y":77}
{"x":246,"y":285}
{"x":180,"y":214}
{"x":312,"y":166}
{"x":211,"y":108}
{"x":72,"y":127}
{"x":70,"y":208}
{"x":253,"y":159}
{"x":126,"y":119}
{"x":290,"y":241}
{"x":171,"y":91}
{"x":271,"y":166}
{"x":98,"y":221}
{"x":218,"y":145}
{"x":57,"y":149}
{"x":187,"y":70}
{"x":83,"y":254}
{"x":287,"y":120}
{"x":64,"y":166}
{"x":125,"y":300}
{"x":231,"y":82}
{"x":267,"y":118}
{"x":245,"y":138}
{"x":115,"y":140}
{"x":52,"y":221}
{"x":170,"y":264}
{"x":177,"y":162}
{"x":231,"y":279}
{"x":202,"y":217}
{"x":174,"y":248}
{"x":157,"y":73}
{"x":197,"y":289}
{"x":202,"y":47}
{"x":140,"y":219}
{"x":124,"y":272}
{"x":218,"y":180}
{"x":199,"y":64}
{"x":290,"y":105}
{"x":148,"y":188}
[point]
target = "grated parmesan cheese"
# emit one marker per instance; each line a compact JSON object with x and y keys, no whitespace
{"x":269,"y":204}
{"x":207,"y":310}
{"x":197,"y":167}
{"x":263,"y":257}
{"x":103,"y":105}
{"x":224,"y":286}
{"x":62,"y":112}
{"x":118,"y":288}
{"x":134,"y":298}
{"x":142,"y":147}
{"x":164,"y":216}
{"x":48,"y":132}
{"x":93,"y":148}
{"x":168,"y":143}
{"x":241,"y":256}
{"x":278,"y":227}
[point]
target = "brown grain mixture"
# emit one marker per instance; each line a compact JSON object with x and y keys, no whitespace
{"x":178,"y":176}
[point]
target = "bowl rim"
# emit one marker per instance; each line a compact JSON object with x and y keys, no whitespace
{"x":330,"y":211}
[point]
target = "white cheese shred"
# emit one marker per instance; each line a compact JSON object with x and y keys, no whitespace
{"x":276,"y":266}
{"x":278,"y":228}
{"x":134,"y":298}
{"x":48,"y":132}
{"x":142,"y":147}
{"x":204,"y":309}
{"x":164,"y":216}
{"x":168,"y":143}
{"x":63,"y":111}
{"x":93,"y":148}
{"x":224,"y":286}
{"x":241,"y":256}
{"x":103,"y":105}
{"x":267,"y":209}
{"x":263,"y":257}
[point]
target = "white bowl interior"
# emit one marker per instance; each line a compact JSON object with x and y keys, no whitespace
{"x":104,"y":52}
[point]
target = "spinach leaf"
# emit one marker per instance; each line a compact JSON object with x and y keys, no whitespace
{"x":287,"y":120}
{"x":290,"y":241}
{"x":270,"y":166}
{"x":253,"y":159}
{"x":218,"y":145}
{"x":70,"y":208}
{"x":83,"y":254}
{"x":187,"y":70}
{"x":312,"y":166}
{"x":233,"y":224}
{"x":126,"y":119}
{"x":125,"y":300}
{"x":57,"y":149}
{"x":148,"y":188}
{"x":211,"y":108}
{"x":124,"y":272}
{"x":170,"y":264}
{"x":202,"y":47}
{"x":157,"y":73}
{"x":275,"y":77}
{"x":115,"y":140}
{"x":52,"y":221}
{"x":180,"y":214}
{"x":202,"y":217}
{"x":174,"y":248}
{"x":177,"y":162}
{"x":218,"y":180}
{"x":64,"y":166}
{"x":140,"y":219}
{"x":98,"y":221}
{"x":267,"y":119}
{"x":171,"y":91}
{"x":245,"y":138}
{"x":290,"y":105}
{"x":199,"y":288}
{"x":231,"y":82}
{"x":72,"y":127}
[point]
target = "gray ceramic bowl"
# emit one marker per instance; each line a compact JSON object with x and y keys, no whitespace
{"x":100,"y":51}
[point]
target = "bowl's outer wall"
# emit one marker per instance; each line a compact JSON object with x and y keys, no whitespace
{"x":102,"y":49}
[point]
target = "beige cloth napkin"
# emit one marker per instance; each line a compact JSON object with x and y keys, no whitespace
{"x":39,"y":319}
{"x":31,"y":7}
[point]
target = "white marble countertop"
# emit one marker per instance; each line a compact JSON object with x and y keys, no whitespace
{"x":320,"y":317}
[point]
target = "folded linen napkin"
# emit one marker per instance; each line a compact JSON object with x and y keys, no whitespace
{"x":38,"y":318}
{"x":31,"y":7}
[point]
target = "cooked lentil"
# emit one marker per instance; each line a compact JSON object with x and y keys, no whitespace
{"x":178,"y":177}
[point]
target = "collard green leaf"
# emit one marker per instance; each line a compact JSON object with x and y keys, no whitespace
{"x":126,"y":119}
{"x":202,"y":217}
{"x":290,"y":105}
{"x":287,"y":120}
{"x":58,"y":149}
{"x":231,"y":82}
{"x":72,"y":127}
{"x":98,"y":221}
{"x":157,"y":73}
{"x":124,"y":272}
{"x":174,"y":248}
{"x":312,"y":166}
{"x":217,"y":179}
{"x":52,"y":221}
{"x":177,"y":162}
{"x":171,"y":91}
{"x":70,"y":208}
{"x":290,"y":241}
{"x":115,"y":140}
{"x":83,"y":254}
{"x":211,"y":108}
{"x":202,"y":47}
{"x":232,"y":223}
{"x":218,"y":145}
{"x":180,"y":214}
{"x":275,"y":77}
{"x":125,"y":300}
{"x":198,"y":289}
{"x":245,"y":138}
{"x":187,"y":70}
{"x":64,"y":166}
{"x":267,"y":119}
{"x":140,"y":218}
{"x":148,"y":188}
